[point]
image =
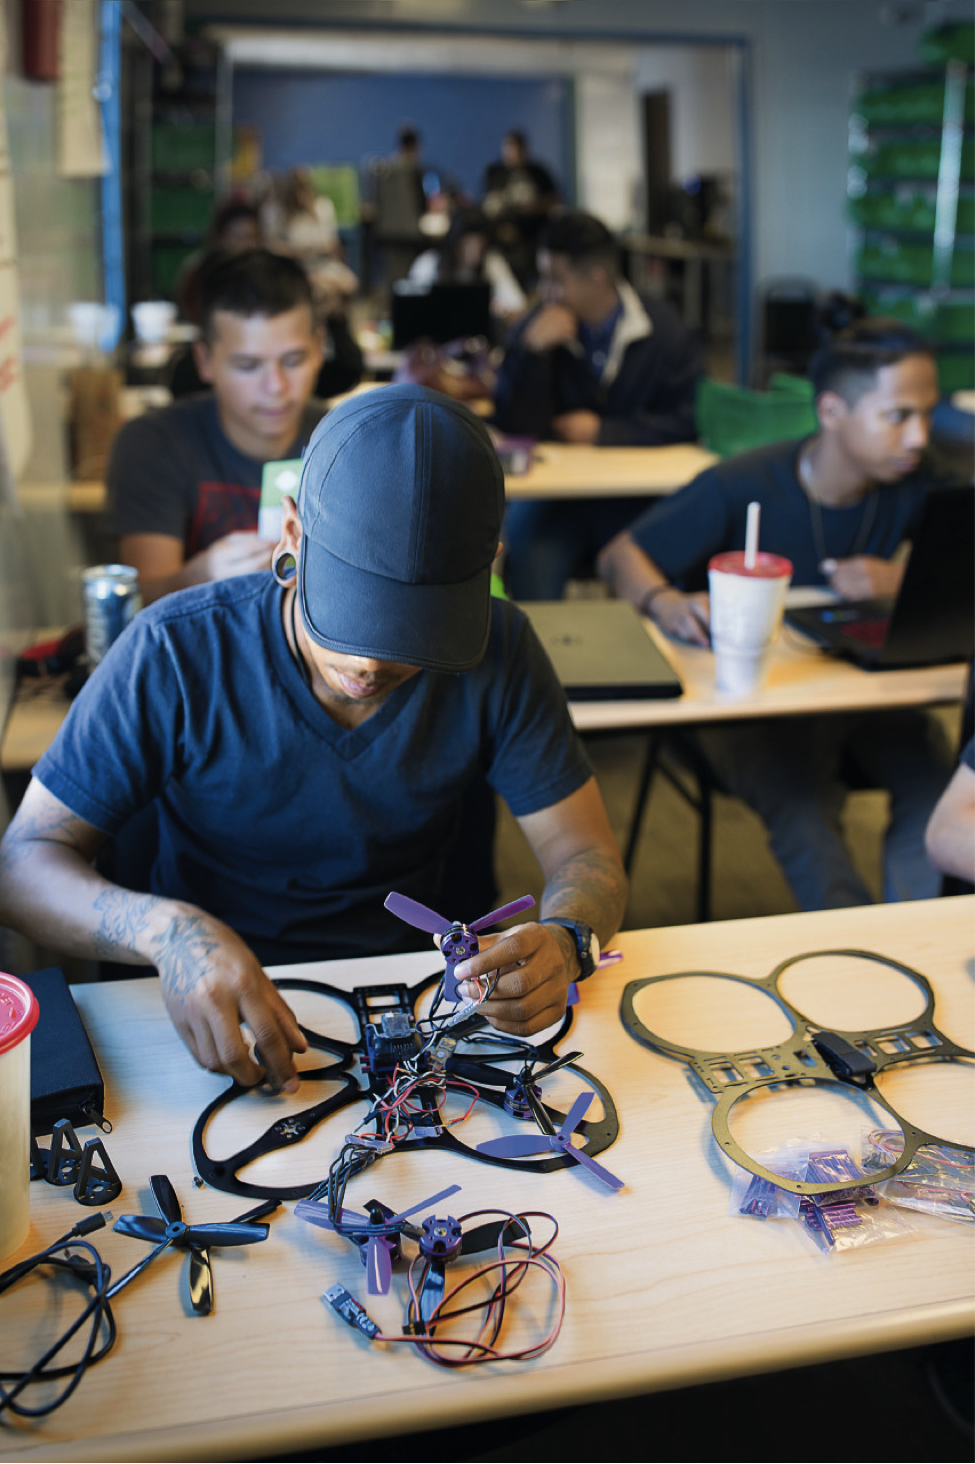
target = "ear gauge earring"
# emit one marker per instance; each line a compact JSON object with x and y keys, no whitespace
{"x":285,"y":569}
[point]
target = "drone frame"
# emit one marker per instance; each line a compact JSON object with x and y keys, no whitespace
{"x":810,"y":1054}
{"x":367,"y":1002}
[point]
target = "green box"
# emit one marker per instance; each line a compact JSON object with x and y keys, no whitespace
{"x":185,"y":148}
{"x":913,"y":159}
{"x":733,"y":419}
{"x":167,"y":261}
{"x":899,"y":105}
{"x":180,"y":210}
{"x":892,"y":259}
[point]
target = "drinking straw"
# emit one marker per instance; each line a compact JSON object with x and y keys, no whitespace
{"x":751,"y":534}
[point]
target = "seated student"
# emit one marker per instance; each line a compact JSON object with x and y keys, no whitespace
{"x":308,"y":743}
{"x":519,"y":193}
{"x":594,"y":363}
{"x":235,"y":226}
{"x":465,"y":256}
{"x":342,"y":365}
{"x":838,"y":505}
{"x":184,"y":482}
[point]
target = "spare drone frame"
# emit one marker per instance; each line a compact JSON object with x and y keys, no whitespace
{"x":810,"y":1054}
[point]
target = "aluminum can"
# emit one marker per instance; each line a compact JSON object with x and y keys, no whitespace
{"x":111,"y":597}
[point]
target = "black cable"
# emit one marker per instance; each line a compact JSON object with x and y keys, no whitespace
{"x":93,"y":1272}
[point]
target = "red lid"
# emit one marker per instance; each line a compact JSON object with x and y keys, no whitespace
{"x":18,"y":1011}
{"x":766,"y":566}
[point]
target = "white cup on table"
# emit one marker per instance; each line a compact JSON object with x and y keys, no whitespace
{"x":746,"y":611}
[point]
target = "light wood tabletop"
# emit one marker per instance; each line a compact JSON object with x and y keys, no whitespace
{"x":577,"y":470}
{"x":664,"y":1287}
{"x":801,"y":679}
{"x":558,"y":470}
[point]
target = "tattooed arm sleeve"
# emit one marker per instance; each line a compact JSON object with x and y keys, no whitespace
{"x":211,"y":981}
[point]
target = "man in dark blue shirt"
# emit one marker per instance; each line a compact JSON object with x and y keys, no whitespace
{"x":307,"y":741}
{"x":838,"y":505}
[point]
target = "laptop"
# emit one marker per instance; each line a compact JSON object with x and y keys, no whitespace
{"x":439,"y":312}
{"x":601,"y":650}
{"x":932,"y":620}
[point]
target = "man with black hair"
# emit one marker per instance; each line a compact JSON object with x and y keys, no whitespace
{"x":184,"y":482}
{"x":594,"y":363}
{"x":839,"y":505}
{"x":308,"y":739}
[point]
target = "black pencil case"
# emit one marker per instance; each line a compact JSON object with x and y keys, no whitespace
{"x":65,"y":1081}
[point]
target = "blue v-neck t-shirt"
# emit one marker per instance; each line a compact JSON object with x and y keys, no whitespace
{"x":271,"y":816}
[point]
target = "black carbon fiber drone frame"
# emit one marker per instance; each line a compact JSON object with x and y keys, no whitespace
{"x":809,"y":1055}
{"x":366,"y":1002}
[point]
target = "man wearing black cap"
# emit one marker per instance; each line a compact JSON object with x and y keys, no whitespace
{"x":307,"y":740}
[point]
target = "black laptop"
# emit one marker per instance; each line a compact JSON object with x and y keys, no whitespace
{"x":932,"y":619}
{"x":439,"y":312}
{"x":601,"y":650}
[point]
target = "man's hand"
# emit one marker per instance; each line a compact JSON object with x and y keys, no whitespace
{"x":578,"y":426}
{"x":212,"y":982}
{"x":863,"y":577}
{"x":162,"y":567}
{"x":554,"y":325}
{"x":242,"y":552}
{"x":685,"y":617}
{"x":535,"y":967}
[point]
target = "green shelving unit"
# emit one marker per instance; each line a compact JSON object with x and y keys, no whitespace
{"x":911,"y":198}
{"x":175,"y":153}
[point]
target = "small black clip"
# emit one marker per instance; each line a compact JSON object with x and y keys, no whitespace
{"x":845,"y":1060}
{"x":67,"y":1162}
{"x":64,"y":1155}
{"x":96,"y":1185}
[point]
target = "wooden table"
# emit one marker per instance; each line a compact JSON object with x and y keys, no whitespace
{"x":801,"y":679}
{"x":559,"y":470}
{"x":664,"y":1288}
{"x":72,"y":497}
{"x":577,"y":470}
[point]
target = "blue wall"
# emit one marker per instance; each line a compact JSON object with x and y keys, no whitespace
{"x":309,"y":117}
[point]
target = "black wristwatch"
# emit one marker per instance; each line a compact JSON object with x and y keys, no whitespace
{"x":586,"y":939}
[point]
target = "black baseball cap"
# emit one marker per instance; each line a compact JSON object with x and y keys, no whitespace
{"x":401,"y":501}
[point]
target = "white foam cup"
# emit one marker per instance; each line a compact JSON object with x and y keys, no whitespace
{"x":18,"y":1017}
{"x":746,"y":612}
{"x":152,"y":319}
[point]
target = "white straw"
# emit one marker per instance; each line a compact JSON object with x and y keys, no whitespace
{"x":751,"y":534}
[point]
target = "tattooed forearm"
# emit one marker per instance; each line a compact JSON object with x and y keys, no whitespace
{"x":591,"y":887}
{"x":181,"y":953}
{"x":123,"y":921}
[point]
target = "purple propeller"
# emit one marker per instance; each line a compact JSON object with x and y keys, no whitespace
{"x":378,"y":1241}
{"x":172,"y":1230}
{"x":458,"y":941}
{"x":517,"y":1146}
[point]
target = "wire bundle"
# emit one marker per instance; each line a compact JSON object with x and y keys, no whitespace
{"x":510,"y":1274}
{"x":94,"y":1273}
